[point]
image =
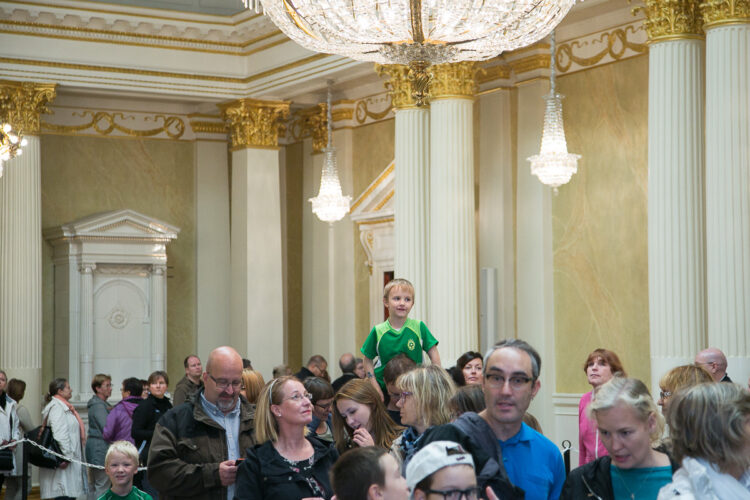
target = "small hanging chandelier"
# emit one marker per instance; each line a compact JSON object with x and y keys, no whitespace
{"x":10,"y":145}
{"x":553,"y":165}
{"x":330,"y":206}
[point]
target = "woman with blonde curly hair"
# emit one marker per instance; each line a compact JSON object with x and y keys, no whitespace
{"x":360,"y":418}
{"x":426,"y":393}
{"x":710,"y":430}
{"x":286,"y":462}
{"x":630,"y":427}
{"x":680,"y":377}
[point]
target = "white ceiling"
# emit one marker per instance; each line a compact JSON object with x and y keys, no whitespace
{"x":214,"y":7}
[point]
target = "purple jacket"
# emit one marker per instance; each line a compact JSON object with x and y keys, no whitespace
{"x":120,"y":421}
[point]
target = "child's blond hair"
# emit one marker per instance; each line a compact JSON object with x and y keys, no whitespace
{"x":398,"y":282}
{"x":123,"y":447}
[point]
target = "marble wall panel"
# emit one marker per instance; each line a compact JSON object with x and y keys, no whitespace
{"x":374,"y":149}
{"x":600,"y":223}
{"x":85,"y":175}
{"x":295,"y":204}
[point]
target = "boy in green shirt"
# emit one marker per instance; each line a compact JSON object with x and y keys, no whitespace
{"x":121,"y":464}
{"x":397,"y":334}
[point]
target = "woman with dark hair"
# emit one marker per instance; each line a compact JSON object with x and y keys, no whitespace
{"x":145,"y":417}
{"x":285,"y":463}
{"x":120,"y":420}
{"x":710,"y":429}
{"x":67,"y":480}
{"x":322,"y":400}
{"x":16,"y":391}
{"x":470,"y":365}
{"x":360,"y":418}
{"x":600,"y":366}
{"x":8,"y":420}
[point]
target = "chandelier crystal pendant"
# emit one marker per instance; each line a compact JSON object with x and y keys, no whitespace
{"x":554,"y":166}
{"x":330,"y":205}
{"x":417,"y":33}
{"x":10,"y":145}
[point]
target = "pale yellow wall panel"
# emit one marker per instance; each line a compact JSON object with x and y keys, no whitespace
{"x":600,"y":223}
{"x":85,"y":175}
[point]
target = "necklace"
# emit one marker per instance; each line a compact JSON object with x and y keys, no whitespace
{"x":642,"y":481}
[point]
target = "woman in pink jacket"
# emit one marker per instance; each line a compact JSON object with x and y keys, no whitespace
{"x":600,"y":366}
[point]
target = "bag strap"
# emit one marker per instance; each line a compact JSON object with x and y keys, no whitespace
{"x":41,"y":429}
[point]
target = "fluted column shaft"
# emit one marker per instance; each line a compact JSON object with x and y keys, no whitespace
{"x":728,"y":192}
{"x":412,"y":204}
{"x":86,"y":340}
{"x":21,"y":240}
{"x":453,"y":259}
{"x":21,"y":270}
{"x":676,"y":258}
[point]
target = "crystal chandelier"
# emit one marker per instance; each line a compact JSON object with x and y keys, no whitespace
{"x":417,"y":33}
{"x":330,"y":206}
{"x":553,"y":165}
{"x":10,"y":145}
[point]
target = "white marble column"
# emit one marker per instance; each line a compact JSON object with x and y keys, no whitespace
{"x":158,"y":317}
{"x":21,"y":242}
{"x":411,"y":199}
{"x":676,"y":231}
{"x":453,"y":257}
{"x":728,"y":186}
{"x":86,"y":339}
{"x":257,"y":297}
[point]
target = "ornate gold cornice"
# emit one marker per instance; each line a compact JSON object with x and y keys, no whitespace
{"x":311,"y":122}
{"x":254,"y":123}
{"x":21,"y":104}
{"x":206,"y":127}
{"x":454,"y":80}
{"x":529,"y":63}
{"x":399,"y":85}
{"x":671,"y":19}
{"x":718,"y":12}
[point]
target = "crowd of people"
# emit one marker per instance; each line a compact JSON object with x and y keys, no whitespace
{"x":393,"y":427}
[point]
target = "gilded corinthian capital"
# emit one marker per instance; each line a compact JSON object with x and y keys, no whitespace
{"x":718,"y":12}
{"x":253,"y":123}
{"x":672,"y":19}
{"x":311,"y":122}
{"x":400,"y":85}
{"x":453,"y":80}
{"x":21,"y":104}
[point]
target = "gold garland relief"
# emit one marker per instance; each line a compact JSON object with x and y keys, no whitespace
{"x":22,"y":103}
{"x":717,"y":12}
{"x":454,"y":80}
{"x":104,"y":123}
{"x":616,"y":44}
{"x":255,"y":123}
{"x":669,"y":19}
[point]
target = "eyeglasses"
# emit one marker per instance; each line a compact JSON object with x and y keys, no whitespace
{"x":297,"y":397}
{"x":517,"y":382}
{"x":404,"y":395}
{"x":665,"y":394}
{"x":223,"y":384}
{"x":468,"y":493}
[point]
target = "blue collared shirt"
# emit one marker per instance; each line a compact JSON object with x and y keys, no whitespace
{"x":534,"y":464}
{"x":231,"y":424}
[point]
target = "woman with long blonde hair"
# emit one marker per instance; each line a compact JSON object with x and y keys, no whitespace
{"x":286,"y":462}
{"x":360,"y":418}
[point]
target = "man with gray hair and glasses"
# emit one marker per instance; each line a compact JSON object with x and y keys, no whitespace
{"x":197,"y":446}
{"x":510,"y":382}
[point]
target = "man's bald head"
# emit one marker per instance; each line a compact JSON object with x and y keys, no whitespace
{"x":222,"y":379}
{"x":713,"y":360}
{"x":347,"y":362}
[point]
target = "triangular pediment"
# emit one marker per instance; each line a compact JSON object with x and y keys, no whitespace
{"x":117,"y":224}
{"x":376,"y":201}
